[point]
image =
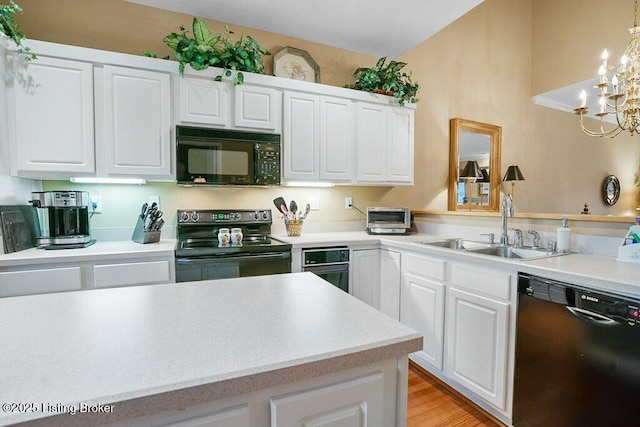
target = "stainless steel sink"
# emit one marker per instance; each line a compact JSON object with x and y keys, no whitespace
{"x":458,"y":244}
{"x":490,"y":249}
{"x":513,"y":252}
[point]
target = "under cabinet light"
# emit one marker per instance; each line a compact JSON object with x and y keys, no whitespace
{"x":309,"y":184}
{"x":90,"y":180}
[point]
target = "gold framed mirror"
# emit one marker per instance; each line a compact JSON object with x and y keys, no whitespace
{"x":474,"y":151}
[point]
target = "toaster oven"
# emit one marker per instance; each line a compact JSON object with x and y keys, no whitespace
{"x":388,"y":220}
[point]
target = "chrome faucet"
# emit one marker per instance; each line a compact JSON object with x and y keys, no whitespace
{"x":536,"y":238}
{"x":517,"y":237}
{"x":506,"y":210}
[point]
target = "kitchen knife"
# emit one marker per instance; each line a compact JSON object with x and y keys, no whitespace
{"x":143,"y":211}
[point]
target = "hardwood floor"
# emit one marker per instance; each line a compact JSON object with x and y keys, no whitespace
{"x":431,"y":404}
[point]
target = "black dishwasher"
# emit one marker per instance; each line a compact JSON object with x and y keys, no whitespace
{"x":577,"y":356}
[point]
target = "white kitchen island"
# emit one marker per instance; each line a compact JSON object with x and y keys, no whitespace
{"x":260,"y":351}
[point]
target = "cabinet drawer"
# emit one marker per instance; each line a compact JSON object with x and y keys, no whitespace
{"x":44,"y":281}
{"x":135,"y":273}
{"x":424,"y":266}
{"x":491,"y":283}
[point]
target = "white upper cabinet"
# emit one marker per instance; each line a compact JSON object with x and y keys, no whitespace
{"x":85,"y":112}
{"x":372,"y":142}
{"x":257,"y":107}
{"x":53,"y":127}
{"x":318,"y":138}
{"x":337,"y":134}
{"x":204,"y":100}
{"x":137,"y":122}
{"x":385,"y":144}
{"x":399,"y":168}
{"x":301,"y":136}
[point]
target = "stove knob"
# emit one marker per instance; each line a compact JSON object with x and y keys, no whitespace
{"x":256,"y":215}
{"x":184,"y":217}
{"x":265,"y":215}
{"x":195,"y":216}
{"x":237,"y":216}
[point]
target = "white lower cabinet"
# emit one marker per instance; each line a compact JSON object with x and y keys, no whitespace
{"x":365,"y":270}
{"x":356,"y":403}
{"x":478,"y":331}
{"x":76,"y":276}
{"x":422,"y":305}
{"x":376,"y":279}
{"x":370,"y":395}
{"x":132,"y":273}
{"x":237,"y":416}
{"x":389,"y":304}
{"x":40,"y":281}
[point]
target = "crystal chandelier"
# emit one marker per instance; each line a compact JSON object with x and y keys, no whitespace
{"x":621,"y":95}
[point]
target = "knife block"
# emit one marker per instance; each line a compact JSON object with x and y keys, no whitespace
{"x":142,"y":236}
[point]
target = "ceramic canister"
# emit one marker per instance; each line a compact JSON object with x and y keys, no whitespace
{"x":236,"y":236}
{"x":224,"y":236}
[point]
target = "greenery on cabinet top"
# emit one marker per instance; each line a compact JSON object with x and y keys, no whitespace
{"x":216,"y":50}
{"x":10,"y":28}
{"x":387,"y":79}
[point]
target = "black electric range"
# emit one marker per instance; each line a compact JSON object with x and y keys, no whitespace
{"x":200,"y":255}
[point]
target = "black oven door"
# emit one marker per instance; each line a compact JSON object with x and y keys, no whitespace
{"x":191,"y":269}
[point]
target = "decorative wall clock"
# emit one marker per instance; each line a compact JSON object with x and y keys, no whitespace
{"x":611,"y":190}
{"x":295,"y":64}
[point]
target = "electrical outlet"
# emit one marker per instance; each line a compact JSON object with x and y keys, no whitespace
{"x":314,"y":201}
{"x":348,"y":202}
{"x":96,"y":204}
{"x":154,"y":199}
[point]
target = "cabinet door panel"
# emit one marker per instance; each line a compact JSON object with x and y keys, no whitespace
{"x":365,"y":265}
{"x":477,"y":344}
{"x":54,"y":125}
{"x":257,"y":107}
{"x":422,"y":308}
{"x":44,"y":281}
{"x":129,"y":274}
{"x":300,"y":136}
{"x":371,"y":142}
{"x":336,"y":139}
{"x":400,"y":146}
{"x":356,"y":403}
{"x":203,"y":100}
{"x":390,"y":283}
{"x":137,"y":120}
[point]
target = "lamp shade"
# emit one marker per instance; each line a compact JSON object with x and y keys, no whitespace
{"x":471,"y":171}
{"x":513,"y":174}
{"x":485,"y":176}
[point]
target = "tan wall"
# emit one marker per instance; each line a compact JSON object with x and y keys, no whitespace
{"x":478,"y":68}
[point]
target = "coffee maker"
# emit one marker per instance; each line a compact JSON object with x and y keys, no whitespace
{"x":65,"y":216}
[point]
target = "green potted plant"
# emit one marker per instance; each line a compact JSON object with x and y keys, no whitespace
{"x":12,"y":30}
{"x":387,"y":79}
{"x":216,"y":50}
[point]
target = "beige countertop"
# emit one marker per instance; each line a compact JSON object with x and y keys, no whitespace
{"x":125,"y":249}
{"x":598,"y":271}
{"x":116,"y":345}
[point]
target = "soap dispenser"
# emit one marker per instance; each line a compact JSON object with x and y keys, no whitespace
{"x":563,"y":236}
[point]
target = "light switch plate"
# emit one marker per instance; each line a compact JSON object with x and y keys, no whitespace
{"x":314,"y":201}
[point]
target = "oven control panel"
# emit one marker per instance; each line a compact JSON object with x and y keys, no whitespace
{"x":223,"y":217}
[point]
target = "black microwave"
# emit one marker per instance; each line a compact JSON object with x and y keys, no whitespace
{"x":207,"y":156}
